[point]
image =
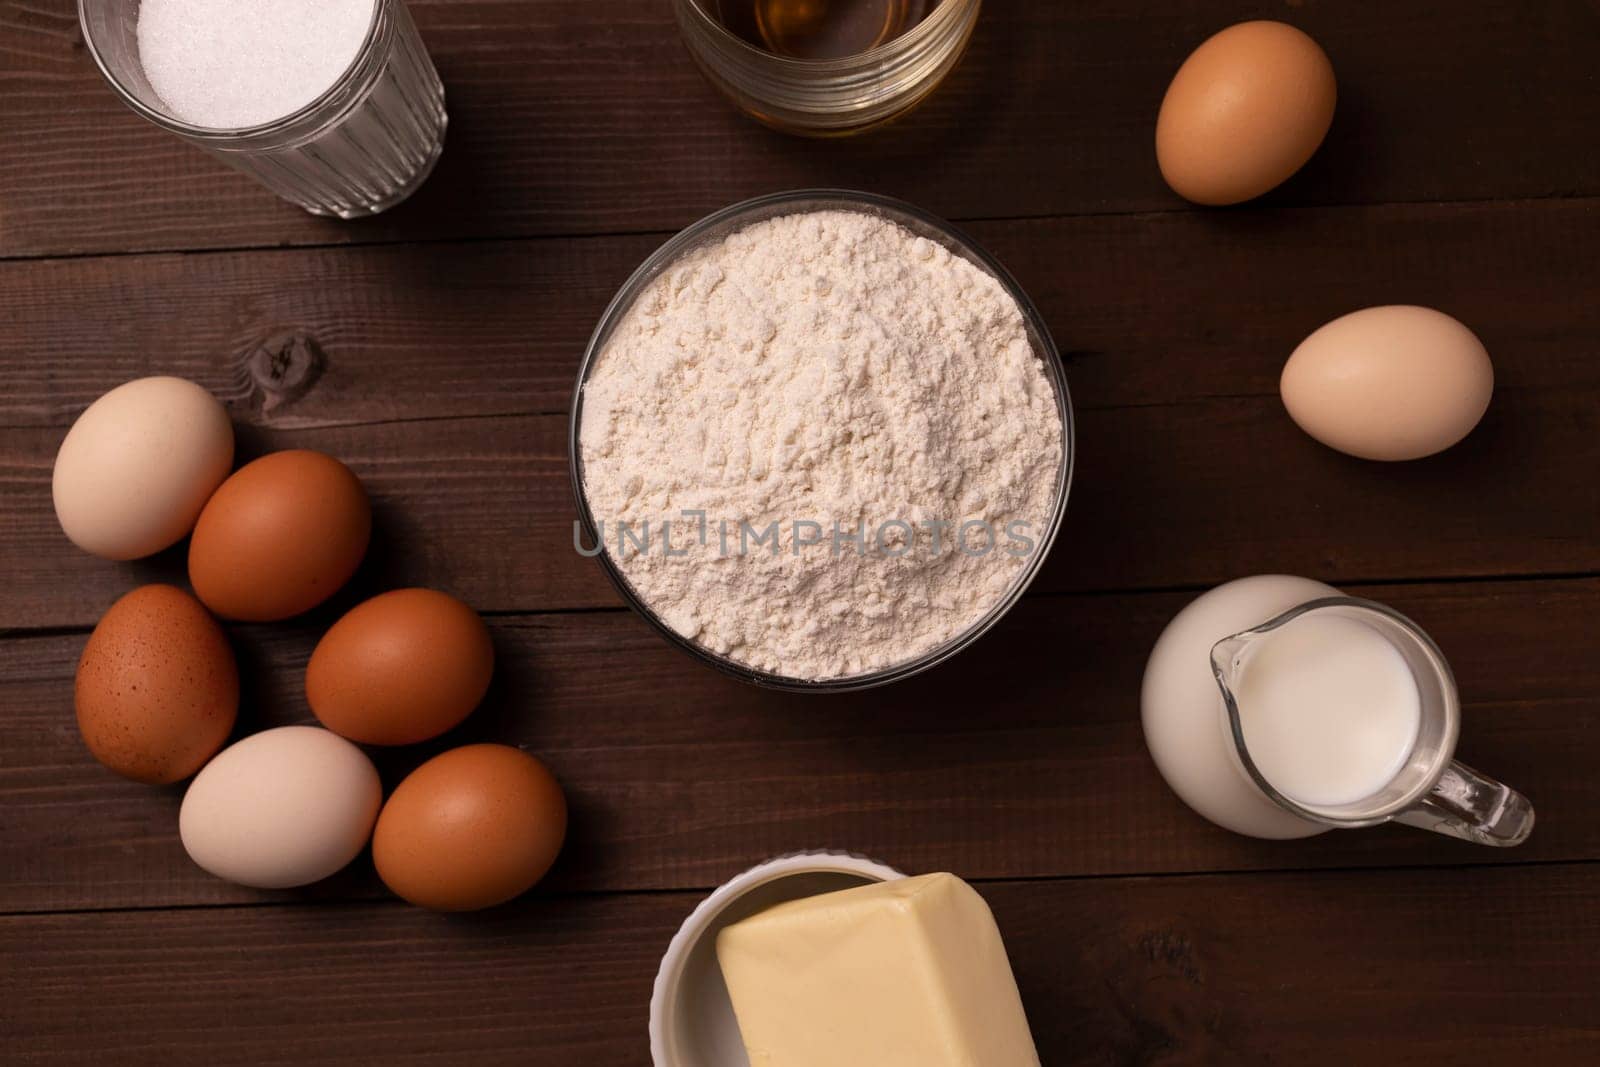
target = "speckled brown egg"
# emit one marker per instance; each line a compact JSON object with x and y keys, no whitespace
{"x":471,"y":828}
{"x":279,"y":537}
{"x":157,"y":688}
{"x":400,"y":668}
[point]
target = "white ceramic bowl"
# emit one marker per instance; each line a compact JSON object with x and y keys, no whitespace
{"x":691,"y":1018}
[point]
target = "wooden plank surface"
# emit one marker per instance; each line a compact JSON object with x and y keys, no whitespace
{"x":1023,"y":758}
{"x":561,"y":111}
{"x":434,"y":349}
{"x":444,"y":391}
{"x":1400,"y":967}
{"x":1174,"y":308}
{"x":1179,"y":496}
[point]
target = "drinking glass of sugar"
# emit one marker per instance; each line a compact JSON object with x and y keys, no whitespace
{"x":1344,"y":712}
{"x":332,"y":104}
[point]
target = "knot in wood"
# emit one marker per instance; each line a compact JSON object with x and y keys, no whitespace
{"x":281,"y":367}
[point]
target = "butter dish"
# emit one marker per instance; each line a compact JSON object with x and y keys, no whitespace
{"x":691,"y":1016}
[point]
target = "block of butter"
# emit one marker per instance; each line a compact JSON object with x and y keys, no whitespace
{"x":908,"y":973}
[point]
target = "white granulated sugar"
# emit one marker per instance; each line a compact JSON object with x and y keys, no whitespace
{"x":828,"y":367}
{"x":232,"y":63}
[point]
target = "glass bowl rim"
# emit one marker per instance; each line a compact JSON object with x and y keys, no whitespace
{"x":728,"y":220}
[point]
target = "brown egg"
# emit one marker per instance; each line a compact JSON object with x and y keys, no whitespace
{"x":157,"y":688}
{"x":471,"y":828}
{"x":279,"y":537}
{"x":400,"y":668}
{"x":1244,"y":112}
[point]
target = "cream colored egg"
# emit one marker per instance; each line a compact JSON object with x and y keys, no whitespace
{"x":138,"y":465}
{"x":281,"y":808}
{"x":1389,"y":383}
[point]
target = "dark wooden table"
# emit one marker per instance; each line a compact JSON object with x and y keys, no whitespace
{"x":434,"y":348}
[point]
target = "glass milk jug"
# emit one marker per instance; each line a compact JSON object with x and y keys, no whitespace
{"x":1343,"y":712}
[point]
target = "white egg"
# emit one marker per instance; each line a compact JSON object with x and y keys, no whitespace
{"x":281,"y":808}
{"x":139,"y":464}
{"x":1389,"y":383}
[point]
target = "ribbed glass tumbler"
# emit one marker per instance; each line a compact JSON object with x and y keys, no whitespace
{"x":361,"y":147}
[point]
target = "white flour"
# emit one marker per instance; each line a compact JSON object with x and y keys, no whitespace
{"x":829,"y":367}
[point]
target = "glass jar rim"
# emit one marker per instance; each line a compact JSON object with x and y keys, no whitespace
{"x":685,"y":241}
{"x":177,"y":125}
{"x":911,"y":38}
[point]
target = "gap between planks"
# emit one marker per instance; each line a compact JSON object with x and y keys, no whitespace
{"x":23,"y":633}
{"x":388,"y":902}
{"x":622,"y":234}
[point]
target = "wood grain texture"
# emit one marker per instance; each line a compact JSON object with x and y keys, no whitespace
{"x":561,"y":111}
{"x":1187,"y":495}
{"x":434,"y":349}
{"x":1173,"y":309}
{"x":444,"y":368}
{"x":1400,"y":967}
{"x":1021,"y":758}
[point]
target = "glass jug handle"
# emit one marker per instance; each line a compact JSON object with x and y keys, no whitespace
{"x":1467,"y":805}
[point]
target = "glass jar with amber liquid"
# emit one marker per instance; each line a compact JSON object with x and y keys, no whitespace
{"x":826,"y":67}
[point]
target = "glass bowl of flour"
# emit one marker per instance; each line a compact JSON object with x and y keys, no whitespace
{"x":821,"y":441}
